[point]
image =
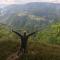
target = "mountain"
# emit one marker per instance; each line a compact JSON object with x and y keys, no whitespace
{"x":36,"y":6}
{"x":35,"y":14}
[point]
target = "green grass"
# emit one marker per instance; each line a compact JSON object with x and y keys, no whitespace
{"x":36,"y":50}
{"x":39,"y":47}
{"x":6,"y":48}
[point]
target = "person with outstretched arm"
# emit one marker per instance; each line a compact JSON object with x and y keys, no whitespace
{"x":24,"y":39}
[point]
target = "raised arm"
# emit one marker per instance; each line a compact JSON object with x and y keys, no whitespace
{"x":17,"y":33}
{"x":31,"y":34}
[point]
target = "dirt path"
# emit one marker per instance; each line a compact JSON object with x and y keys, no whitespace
{"x":13,"y":57}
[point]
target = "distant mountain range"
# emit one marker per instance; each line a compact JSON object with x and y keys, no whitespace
{"x":40,"y":14}
{"x":44,"y":7}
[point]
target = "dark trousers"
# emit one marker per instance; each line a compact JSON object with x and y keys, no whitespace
{"x":22,"y":49}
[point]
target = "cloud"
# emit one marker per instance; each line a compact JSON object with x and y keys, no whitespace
{"x":25,"y":1}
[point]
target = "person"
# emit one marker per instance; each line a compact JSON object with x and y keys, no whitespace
{"x":24,"y":39}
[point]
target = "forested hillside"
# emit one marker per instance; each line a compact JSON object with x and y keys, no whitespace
{"x":26,"y":14}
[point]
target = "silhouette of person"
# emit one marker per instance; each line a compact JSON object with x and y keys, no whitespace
{"x":24,"y":39}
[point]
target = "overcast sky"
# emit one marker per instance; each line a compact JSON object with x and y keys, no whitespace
{"x":26,"y":1}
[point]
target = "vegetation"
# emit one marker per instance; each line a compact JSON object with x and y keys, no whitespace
{"x":45,"y":17}
{"x":45,"y":45}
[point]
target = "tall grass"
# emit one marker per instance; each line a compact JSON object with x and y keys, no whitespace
{"x":36,"y":50}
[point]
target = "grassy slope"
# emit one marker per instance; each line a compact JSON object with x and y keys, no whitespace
{"x":36,"y":50}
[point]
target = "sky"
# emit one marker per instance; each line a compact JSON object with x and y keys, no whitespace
{"x":26,"y":1}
